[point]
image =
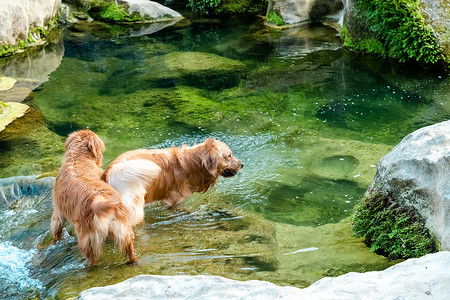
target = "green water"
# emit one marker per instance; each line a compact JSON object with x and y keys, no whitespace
{"x":309,"y":122}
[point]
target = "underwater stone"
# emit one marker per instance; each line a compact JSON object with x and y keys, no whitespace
{"x":198,"y":69}
{"x":416,"y":173}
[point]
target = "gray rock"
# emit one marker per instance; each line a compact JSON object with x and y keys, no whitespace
{"x":19,"y":18}
{"x":416,"y":172}
{"x":150,"y":9}
{"x":422,"y":278}
{"x":305,"y":11}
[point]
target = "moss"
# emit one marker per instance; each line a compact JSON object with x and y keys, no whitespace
{"x":401,"y":28}
{"x":369,"y":45}
{"x":117,"y":13}
{"x":397,"y":232}
{"x":273,"y":18}
{"x":34,"y":35}
{"x":226,"y":7}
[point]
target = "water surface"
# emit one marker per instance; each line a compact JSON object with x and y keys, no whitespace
{"x":309,"y":123}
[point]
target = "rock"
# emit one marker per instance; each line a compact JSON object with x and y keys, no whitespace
{"x":428,"y":21}
{"x":416,"y":173}
{"x":150,"y":9}
{"x":25,"y":20}
{"x":11,"y":111}
{"x":30,"y":70}
{"x":437,"y":15}
{"x":6,"y":83}
{"x":306,"y":11}
{"x":422,"y":278}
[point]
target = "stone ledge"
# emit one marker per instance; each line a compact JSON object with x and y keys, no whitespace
{"x":420,"y":278}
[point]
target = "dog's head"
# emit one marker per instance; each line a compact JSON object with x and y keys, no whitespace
{"x":219,"y":159}
{"x":86,"y":142}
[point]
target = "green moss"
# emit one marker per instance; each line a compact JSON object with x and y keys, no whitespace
{"x":401,"y":28}
{"x":34,"y":34}
{"x":395,"y":231}
{"x":226,"y":7}
{"x":273,"y":18}
{"x":369,"y":45}
{"x":117,"y":13}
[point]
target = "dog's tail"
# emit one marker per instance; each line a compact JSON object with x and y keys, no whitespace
{"x":103,"y":205}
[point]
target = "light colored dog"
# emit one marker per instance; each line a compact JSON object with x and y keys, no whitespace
{"x":169,"y":175}
{"x":92,"y":206}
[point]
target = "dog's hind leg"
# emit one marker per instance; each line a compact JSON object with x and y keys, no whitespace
{"x":123,"y":235}
{"x":57,"y":224}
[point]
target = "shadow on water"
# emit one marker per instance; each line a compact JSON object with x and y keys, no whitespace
{"x":309,"y":125}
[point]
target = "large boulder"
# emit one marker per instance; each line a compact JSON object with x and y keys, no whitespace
{"x":122,"y":10}
{"x":306,"y":11}
{"x":416,"y":173}
{"x":422,"y":278}
{"x":25,"y":22}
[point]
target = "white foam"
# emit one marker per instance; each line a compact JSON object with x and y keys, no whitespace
{"x":14,"y":270}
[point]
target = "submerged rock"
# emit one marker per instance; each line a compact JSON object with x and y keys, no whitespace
{"x":423,"y":278}
{"x":416,"y":173}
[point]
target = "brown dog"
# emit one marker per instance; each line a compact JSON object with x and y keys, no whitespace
{"x":92,"y":206}
{"x":169,"y":175}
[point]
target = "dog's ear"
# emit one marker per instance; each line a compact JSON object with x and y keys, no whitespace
{"x":210,"y":158}
{"x":96,"y":146}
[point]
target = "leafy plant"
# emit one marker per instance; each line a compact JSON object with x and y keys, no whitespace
{"x":273,"y":18}
{"x":401,"y":27}
{"x":113,"y":12}
{"x":203,"y":7}
{"x":390,"y":229}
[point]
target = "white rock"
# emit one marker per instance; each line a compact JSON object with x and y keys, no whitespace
{"x":417,"y":173}
{"x":17,"y":17}
{"x":151,"y":9}
{"x":420,"y":278}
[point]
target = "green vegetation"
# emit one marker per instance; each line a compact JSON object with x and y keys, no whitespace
{"x":390,"y":229}
{"x":110,"y":12}
{"x":226,"y":7}
{"x":273,"y":18}
{"x":401,"y":28}
{"x":369,"y":45}
{"x":34,"y":35}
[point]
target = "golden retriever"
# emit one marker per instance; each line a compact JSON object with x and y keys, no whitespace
{"x":169,"y":175}
{"x":92,"y":206}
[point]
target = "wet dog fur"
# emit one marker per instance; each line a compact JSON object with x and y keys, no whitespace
{"x":170,"y":175}
{"x":82,"y":198}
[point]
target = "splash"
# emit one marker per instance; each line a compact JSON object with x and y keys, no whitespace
{"x":14,"y":273}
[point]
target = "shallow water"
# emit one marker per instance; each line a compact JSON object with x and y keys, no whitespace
{"x":309,"y":123}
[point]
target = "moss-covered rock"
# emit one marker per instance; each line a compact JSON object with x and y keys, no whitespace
{"x":26,"y":23}
{"x":398,"y":232}
{"x":400,"y":29}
